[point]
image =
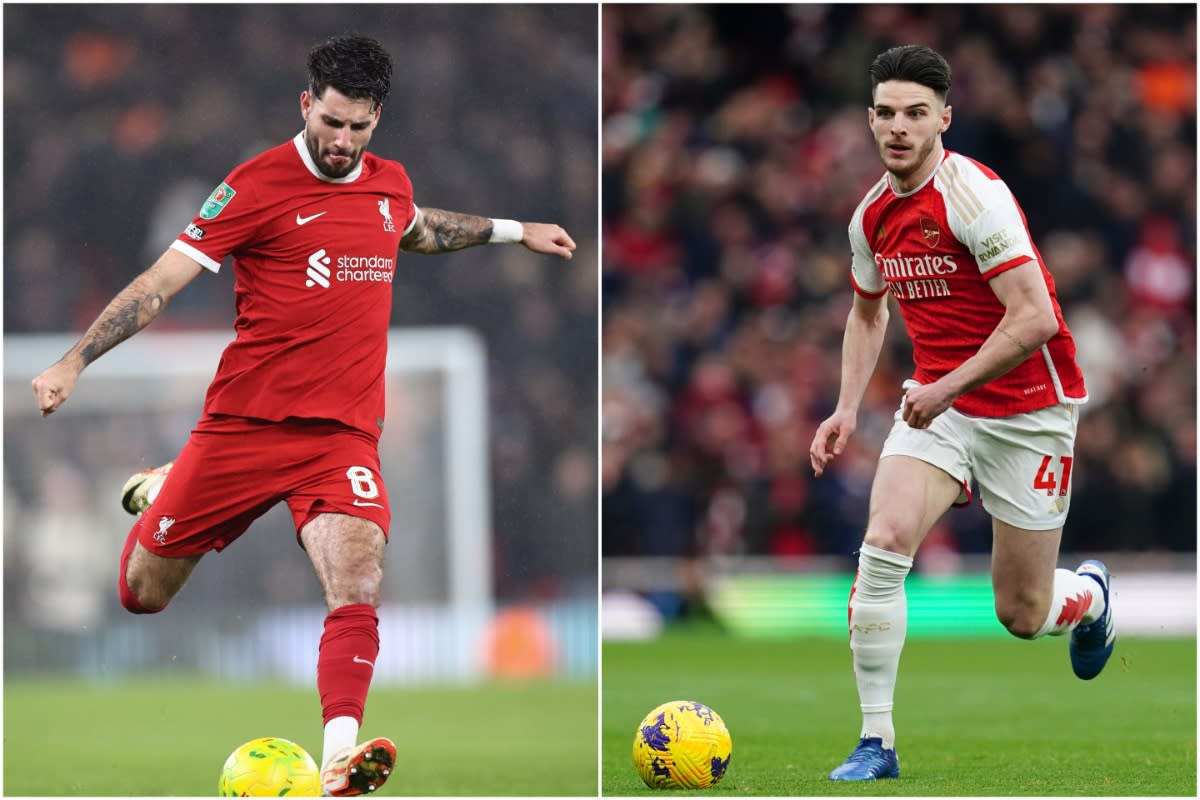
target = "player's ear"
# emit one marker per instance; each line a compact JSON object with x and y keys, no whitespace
{"x":305,"y":104}
{"x":871,"y":117}
{"x":946,"y":118}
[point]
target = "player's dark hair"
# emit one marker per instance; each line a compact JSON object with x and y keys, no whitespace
{"x":357,"y":66}
{"x":912,"y":62}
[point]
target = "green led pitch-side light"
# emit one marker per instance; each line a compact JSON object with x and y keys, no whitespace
{"x":816,"y":605}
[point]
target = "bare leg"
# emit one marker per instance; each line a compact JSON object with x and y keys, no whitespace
{"x":1023,"y":564}
{"x":347,"y":554}
{"x":907,"y":497}
{"x":154,"y":580}
{"x":1033,"y":597}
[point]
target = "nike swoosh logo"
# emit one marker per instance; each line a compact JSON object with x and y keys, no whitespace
{"x":358,"y":660}
{"x":305,"y":220}
{"x":361,"y":503}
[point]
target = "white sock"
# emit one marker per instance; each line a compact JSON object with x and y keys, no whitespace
{"x":1078,"y":600}
{"x":340,"y":733}
{"x":878,"y":623}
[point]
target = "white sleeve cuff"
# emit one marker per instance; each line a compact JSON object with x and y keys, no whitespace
{"x":196,"y":255}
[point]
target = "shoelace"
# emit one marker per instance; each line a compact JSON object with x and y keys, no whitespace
{"x":863,"y":752}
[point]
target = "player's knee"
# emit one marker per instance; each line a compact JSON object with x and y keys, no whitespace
{"x":148,"y":582}
{"x":1022,"y":619}
{"x":138,"y":598}
{"x":887,"y":536}
{"x":369,"y":591}
{"x":362,"y":587}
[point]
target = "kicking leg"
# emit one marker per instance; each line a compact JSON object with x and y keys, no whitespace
{"x":908,"y":496}
{"x":347,"y":554}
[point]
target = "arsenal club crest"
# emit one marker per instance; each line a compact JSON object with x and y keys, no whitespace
{"x":931,"y":232}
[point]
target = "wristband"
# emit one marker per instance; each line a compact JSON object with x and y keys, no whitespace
{"x":506,"y":231}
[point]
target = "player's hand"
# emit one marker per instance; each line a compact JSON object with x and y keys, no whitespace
{"x":922,"y":404}
{"x":541,"y":237}
{"x":830,"y":439}
{"x":54,"y":386}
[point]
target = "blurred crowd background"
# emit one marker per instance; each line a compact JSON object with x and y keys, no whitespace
{"x":735,"y":148}
{"x":120,"y":119}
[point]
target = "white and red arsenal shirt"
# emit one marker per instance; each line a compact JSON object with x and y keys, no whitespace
{"x":313,"y":261}
{"x":935,"y":248}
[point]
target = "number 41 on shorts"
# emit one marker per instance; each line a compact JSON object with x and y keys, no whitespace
{"x":1046,"y":479}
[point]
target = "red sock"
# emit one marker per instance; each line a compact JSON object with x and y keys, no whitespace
{"x":346,"y":660}
{"x":128,"y":598}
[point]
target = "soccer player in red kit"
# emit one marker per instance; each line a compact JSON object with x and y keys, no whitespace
{"x":295,"y":410}
{"x":994,"y":396}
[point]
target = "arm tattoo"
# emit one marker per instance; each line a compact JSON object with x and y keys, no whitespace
{"x":444,"y":231}
{"x":1016,"y":341}
{"x":129,"y":312}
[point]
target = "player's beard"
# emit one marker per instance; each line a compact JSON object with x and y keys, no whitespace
{"x":327,"y":169}
{"x":911,"y":166}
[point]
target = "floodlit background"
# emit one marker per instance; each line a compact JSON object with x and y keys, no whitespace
{"x":119,"y":120}
{"x":735,"y":149}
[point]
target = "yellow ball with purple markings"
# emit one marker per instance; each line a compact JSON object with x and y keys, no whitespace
{"x":269,"y":767}
{"x":682,"y":745}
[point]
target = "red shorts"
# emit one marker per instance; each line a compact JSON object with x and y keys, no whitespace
{"x":233,"y":470}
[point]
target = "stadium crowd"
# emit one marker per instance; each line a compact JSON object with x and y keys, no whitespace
{"x":735,"y":148}
{"x":120,"y":120}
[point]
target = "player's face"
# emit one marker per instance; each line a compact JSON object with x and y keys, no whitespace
{"x":908,"y":120}
{"x":337,"y":130}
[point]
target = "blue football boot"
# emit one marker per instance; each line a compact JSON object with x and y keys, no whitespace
{"x":1092,"y":644}
{"x":868,"y":762}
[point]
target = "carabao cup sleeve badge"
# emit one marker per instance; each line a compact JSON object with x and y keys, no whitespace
{"x":217,"y":201}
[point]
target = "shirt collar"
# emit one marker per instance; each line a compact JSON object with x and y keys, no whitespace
{"x":306,"y":157}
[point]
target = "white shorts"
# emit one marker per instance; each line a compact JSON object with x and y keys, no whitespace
{"x":1021,"y":463}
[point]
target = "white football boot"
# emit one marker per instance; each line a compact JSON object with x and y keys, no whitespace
{"x":142,"y":487}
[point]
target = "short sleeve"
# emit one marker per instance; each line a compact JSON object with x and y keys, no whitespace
{"x":985,"y":217}
{"x":412,"y":219}
{"x":226,"y":220}
{"x":864,"y":272}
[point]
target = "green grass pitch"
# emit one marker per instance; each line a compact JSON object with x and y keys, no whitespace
{"x":170,"y":737}
{"x":984,"y":716}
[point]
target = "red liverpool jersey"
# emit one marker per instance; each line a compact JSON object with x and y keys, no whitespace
{"x":313,"y":261}
{"x":935,"y":249}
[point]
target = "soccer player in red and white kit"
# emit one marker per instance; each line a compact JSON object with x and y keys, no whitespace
{"x":994,"y":397}
{"x":295,"y":410}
